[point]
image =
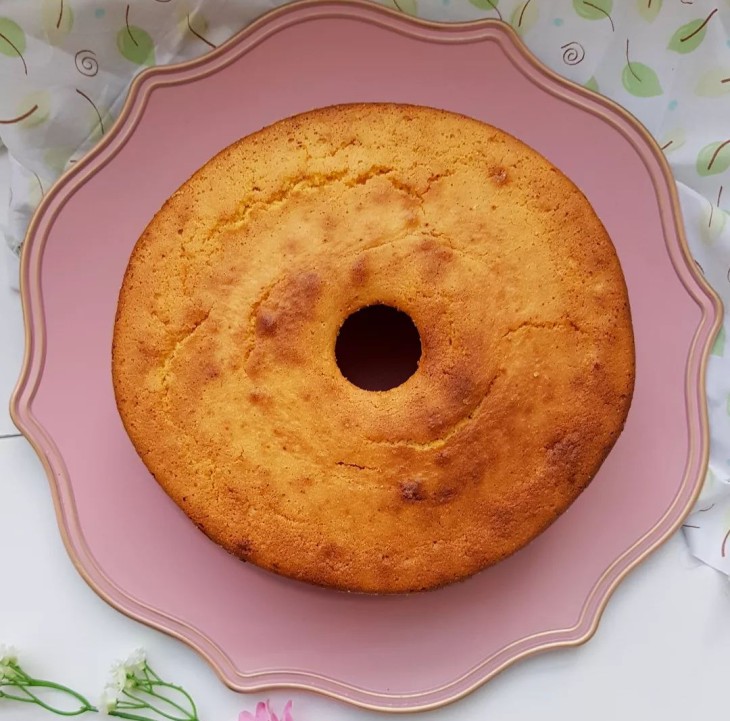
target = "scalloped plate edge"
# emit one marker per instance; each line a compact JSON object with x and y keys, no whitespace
{"x":33,"y":361}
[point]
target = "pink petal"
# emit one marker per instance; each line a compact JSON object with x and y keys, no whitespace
{"x":272,"y":715}
{"x":287,"y":713}
{"x":262,"y":711}
{"x":245,"y":716}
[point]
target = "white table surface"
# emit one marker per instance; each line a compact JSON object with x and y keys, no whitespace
{"x":662,"y":650}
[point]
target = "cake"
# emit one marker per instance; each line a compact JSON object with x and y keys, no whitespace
{"x":224,"y":365}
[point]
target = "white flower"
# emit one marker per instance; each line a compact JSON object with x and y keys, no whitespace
{"x":136,"y":662}
{"x":8,"y":654}
{"x":8,"y":659}
{"x":118,"y":675}
{"x":109,"y":698}
{"x":124,"y":676}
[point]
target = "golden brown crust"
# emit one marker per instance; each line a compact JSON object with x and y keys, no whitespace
{"x":223,"y":355}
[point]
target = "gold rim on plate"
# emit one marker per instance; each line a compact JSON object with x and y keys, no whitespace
{"x":683,"y":263}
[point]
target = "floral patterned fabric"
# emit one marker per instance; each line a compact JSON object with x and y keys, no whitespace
{"x":66,"y":65}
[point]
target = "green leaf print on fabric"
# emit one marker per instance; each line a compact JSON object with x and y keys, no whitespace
{"x":714,"y":82}
{"x":710,"y":478}
{"x":640,"y":80}
{"x":95,"y":116}
{"x":714,"y":158}
{"x":57,"y":158}
{"x":591,"y":84}
{"x":649,"y":9}
{"x":593,"y":9}
{"x":136,"y":45}
{"x":409,"y":7}
{"x":12,"y":40}
{"x":713,"y":223}
{"x":689,"y":36}
{"x":35,"y":189}
{"x":57,"y":19}
{"x":525,"y":16}
{"x":486,"y":5}
{"x":718,"y":347}
{"x":714,"y":219}
{"x":198,"y":26}
{"x":40,"y":101}
{"x":673,"y":140}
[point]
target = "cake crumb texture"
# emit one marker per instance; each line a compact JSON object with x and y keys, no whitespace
{"x":223,"y":355}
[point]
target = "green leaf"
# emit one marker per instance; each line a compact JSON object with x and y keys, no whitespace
{"x":689,"y":36}
{"x":525,"y":16}
{"x":200,"y":23}
{"x":593,"y":9}
{"x":714,"y":82}
{"x":718,"y":347}
{"x":408,"y":7}
{"x":673,"y":140}
{"x":96,"y":127}
{"x":649,"y":9}
{"x":640,"y":80}
{"x":57,"y":158}
{"x":485,"y":4}
{"x":12,"y":40}
{"x":136,"y":45}
{"x":710,"y":478}
{"x":591,"y":84}
{"x":39,"y":98}
{"x":34,"y":190}
{"x":57,"y":19}
{"x":713,"y":223}
{"x":714,"y":158}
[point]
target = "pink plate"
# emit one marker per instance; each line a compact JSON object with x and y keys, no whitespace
{"x":139,"y":552}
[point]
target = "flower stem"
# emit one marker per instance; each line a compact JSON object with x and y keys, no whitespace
{"x":151,"y":707}
{"x":192,"y":713}
{"x":130,"y":716}
{"x":139,"y":695}
{"x":30,"y":697}
{"x":148,"y":669}
{"x":24,"y":683}
{"x":190,"y":699}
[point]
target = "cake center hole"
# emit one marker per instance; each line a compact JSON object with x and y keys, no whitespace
{"x":378,"y":348}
